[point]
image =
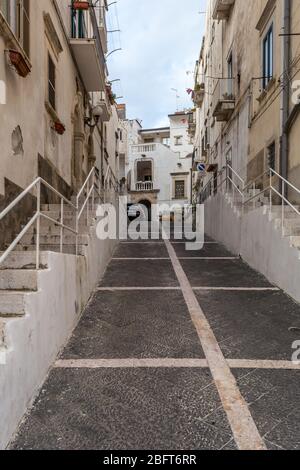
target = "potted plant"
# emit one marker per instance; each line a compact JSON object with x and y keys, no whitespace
{"x":19,"y":63}
{"x":83,"y":5}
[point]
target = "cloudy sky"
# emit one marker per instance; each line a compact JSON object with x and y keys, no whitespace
{"x":161,"y":41}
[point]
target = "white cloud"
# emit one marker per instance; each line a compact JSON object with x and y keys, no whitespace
{"x":161,"y":41}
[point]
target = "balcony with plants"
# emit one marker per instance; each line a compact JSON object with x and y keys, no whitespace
{"x":223,"y":100}
{"x":86,"y":44}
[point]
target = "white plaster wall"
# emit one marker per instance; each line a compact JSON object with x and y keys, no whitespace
{"x":35,"y":340}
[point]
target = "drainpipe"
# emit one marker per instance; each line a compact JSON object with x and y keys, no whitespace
{"x":286,"y":54}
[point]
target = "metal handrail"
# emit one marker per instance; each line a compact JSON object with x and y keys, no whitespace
{"x":285,"y":180}
{"x":236,"y":174}
{"x":235,"y":185}
{"x":270,"y":188}
{"x":18,"y":199}
{"x":285,"y":199}
{"x":37,"y":183}
{"x":256,"y":179}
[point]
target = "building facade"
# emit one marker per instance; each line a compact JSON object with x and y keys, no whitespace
{"x":160,"y":162}
{"x":58,"y":116}
{"x":245,"y":96}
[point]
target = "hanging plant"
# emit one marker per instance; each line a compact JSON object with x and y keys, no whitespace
{"x":19,"y":63}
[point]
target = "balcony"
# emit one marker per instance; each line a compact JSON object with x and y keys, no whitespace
{"x":223,"y":101}
{"x":103,"y":29}
{"x":144,"y":148}
{"x":222,"y":9}
{"x":87,"y":48}
{"x":144,"y":186}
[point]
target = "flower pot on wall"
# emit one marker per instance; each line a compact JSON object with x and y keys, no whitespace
{"x":83,"y":5}
{"x":59,"y":128}
{"x":19,"y":63}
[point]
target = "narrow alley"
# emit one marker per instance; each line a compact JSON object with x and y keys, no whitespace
{"x":176,"y":349}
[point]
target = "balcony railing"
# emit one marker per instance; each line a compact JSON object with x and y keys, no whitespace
{"x":223,"y":101}
{"x":144,"y":148}
{"x":221,"y":9}
{"x":199,"y":94}
{"x":144,"y":186}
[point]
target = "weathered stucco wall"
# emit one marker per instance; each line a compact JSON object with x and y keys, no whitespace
{"x":51,"y":314}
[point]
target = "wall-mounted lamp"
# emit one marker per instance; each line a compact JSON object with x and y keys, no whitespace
{"x":93,"y":121}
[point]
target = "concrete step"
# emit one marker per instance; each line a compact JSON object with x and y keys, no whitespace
{"x":54,"y":230}
{"x":288,"y":212}
{"x":12,"y":303}
{"x":68,"y":217}
{"x":30,"y":239}
{"x":291,"y":226}
{"x":23,"y":260}
{"x":18,"y":279}
{"x":287,"y":215}
{"x":57,"y":207}
{"x":67,"y":249}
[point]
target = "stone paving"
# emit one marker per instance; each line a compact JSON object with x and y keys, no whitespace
{"x":171,"y":401}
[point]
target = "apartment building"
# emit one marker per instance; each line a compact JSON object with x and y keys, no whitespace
{"x":160,"y":162}
{"x":58,"y":115}
{"x":245,"y":96}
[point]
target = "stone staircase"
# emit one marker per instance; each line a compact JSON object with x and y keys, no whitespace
{"x":291,"y":225}
{"x":18,"y":275}
{"x":236,"y":201}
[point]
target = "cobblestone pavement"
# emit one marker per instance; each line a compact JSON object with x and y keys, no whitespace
{"x":176,"y":350}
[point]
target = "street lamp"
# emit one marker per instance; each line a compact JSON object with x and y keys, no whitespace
{"x":93,"y":121}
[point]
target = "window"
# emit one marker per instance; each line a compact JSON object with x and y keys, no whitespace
{"x":17,"y":14}
{"x":78,"y":24}
{"x":178,"y":140}
{"x":268,"y":58}
{"x":179,"y":189}
{"x":166,"y":141}
{"x":24,"y":24}
{"x":51,"y":82}
{"x":272,"y":155}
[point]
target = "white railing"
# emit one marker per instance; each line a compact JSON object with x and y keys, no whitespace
{"x":144,"y":148}
{"x":89,"y":192}
{"x":229,"y":181}
{"x":144,"y":186}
